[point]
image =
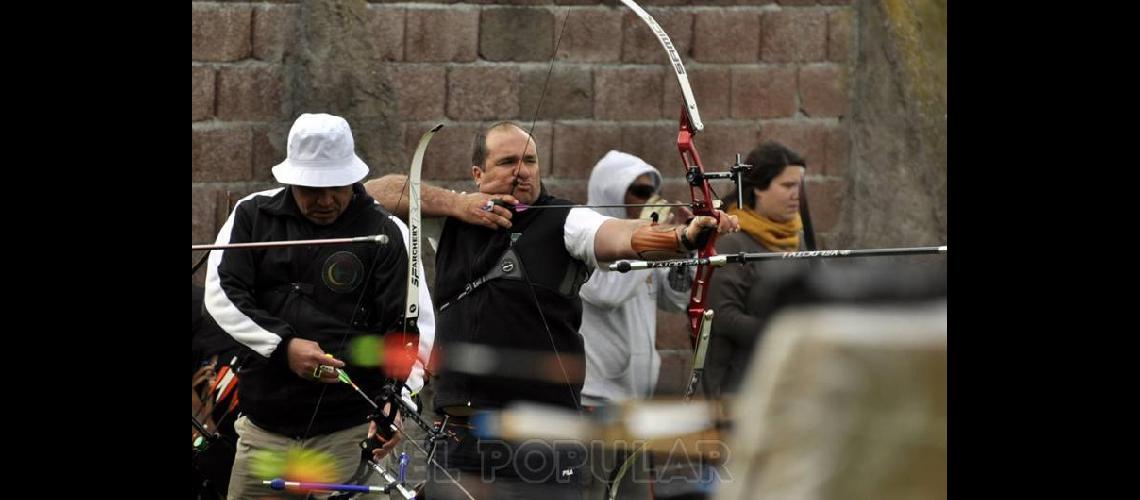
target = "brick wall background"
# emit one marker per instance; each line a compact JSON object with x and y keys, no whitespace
{"x":760,"y":69}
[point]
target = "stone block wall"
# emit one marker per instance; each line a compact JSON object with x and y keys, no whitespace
{"x":588,"y":75}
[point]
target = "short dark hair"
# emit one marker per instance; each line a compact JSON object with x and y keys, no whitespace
{"x":479,"y":143}
{"x":768,"y":161}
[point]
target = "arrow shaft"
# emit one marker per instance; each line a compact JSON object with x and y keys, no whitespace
{"x":379,"y":238}
{"x":523,"y":206}
{"x":742,"y":257}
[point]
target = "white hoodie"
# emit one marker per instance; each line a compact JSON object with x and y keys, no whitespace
{"x":619,"y":317}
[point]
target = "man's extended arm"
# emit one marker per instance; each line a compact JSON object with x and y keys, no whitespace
{"x":391,"y":191}
{"x":625,"y":238}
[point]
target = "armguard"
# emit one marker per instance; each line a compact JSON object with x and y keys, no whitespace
{"x":656,"y":242}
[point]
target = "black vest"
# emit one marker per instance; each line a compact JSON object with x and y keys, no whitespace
{"x":504,"y":314}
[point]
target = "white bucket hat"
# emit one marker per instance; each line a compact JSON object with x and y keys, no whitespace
{"x":320,"y":154}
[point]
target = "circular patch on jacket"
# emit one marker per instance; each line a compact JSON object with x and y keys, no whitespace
{"x":342,"y":272}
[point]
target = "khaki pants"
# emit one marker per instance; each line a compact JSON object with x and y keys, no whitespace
{"x":343,"y":446}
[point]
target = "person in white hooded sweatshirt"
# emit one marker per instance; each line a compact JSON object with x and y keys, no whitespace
{"x":619,"y":317}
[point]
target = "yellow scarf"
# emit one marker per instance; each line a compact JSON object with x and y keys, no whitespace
{"x":775,"y":236}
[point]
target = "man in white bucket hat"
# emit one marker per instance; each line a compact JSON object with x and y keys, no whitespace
{"x":302,"y":307}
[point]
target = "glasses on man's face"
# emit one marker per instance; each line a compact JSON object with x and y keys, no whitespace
{"x":642,"y":191}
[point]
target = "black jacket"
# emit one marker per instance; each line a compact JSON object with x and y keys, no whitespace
{"x":505,"y":316}
{"x":743,"y":297}
{"x":329,"y":294}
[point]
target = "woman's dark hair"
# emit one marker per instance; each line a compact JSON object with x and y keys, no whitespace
{"x":768,"y":161}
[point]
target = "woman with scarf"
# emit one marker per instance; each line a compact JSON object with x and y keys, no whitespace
{"x":741,"y":295}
